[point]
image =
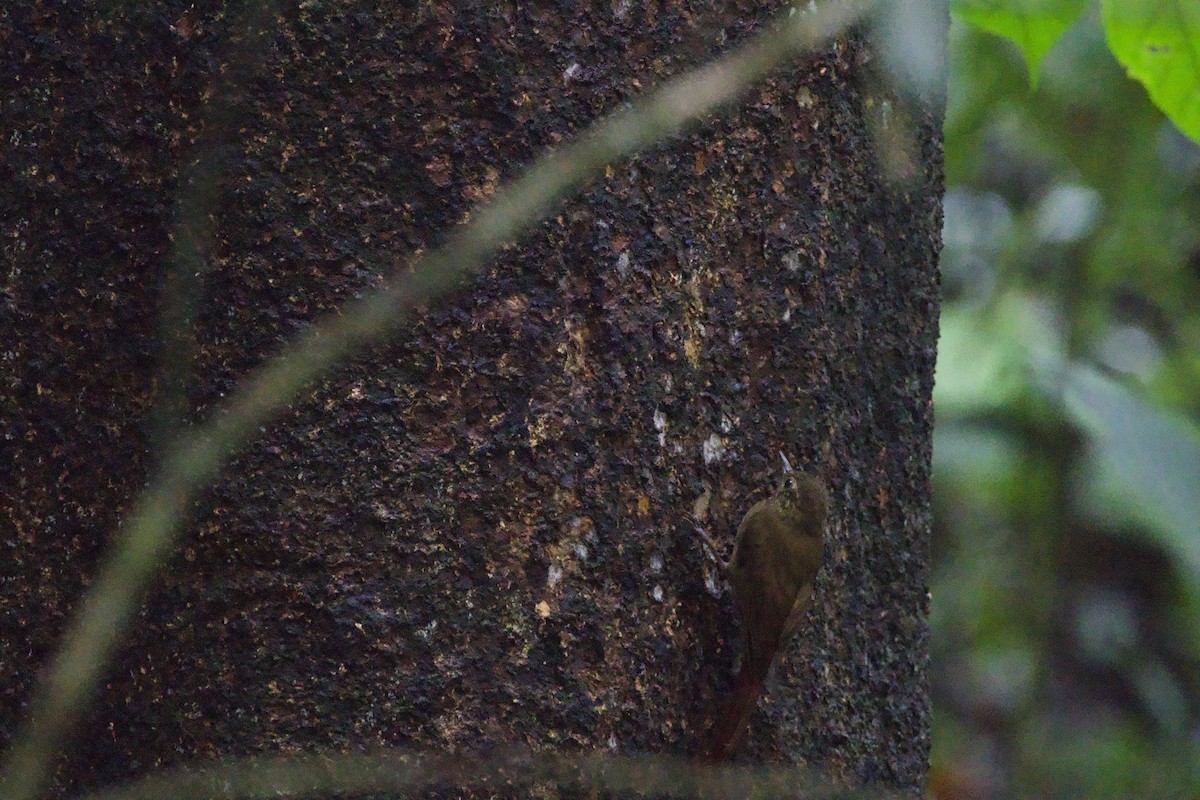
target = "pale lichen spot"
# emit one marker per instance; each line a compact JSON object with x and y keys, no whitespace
{"x":713,"y":449}
{"x":700,"y":507}
{"x":691,"y":349}
{"x":660,"y":425}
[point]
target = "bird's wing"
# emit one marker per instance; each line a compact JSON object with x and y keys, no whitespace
{"x":760,"y":586}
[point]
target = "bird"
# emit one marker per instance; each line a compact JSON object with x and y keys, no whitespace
{"x":774,"y":565}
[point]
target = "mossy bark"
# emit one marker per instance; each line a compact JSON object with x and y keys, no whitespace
{"x":482,"y":531}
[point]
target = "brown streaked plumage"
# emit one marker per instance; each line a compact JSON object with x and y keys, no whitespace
{"x":775,"y":561}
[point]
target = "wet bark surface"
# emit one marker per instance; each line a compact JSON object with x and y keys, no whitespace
{"x":482,"y":531}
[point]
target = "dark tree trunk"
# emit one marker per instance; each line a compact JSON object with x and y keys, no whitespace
{"x":481,"y":532}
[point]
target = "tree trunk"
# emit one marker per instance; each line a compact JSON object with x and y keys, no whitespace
{"x":483,"y":531}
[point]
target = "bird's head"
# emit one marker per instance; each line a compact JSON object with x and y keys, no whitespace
{"x":802,"y":494}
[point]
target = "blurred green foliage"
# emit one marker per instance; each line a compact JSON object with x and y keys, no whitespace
{"x":1066,"y":586}
{"x":1157,"y":41}
{"x":1033,"y":25}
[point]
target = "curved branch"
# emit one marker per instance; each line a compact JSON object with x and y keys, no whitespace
{"x":406,"y":771}
{"x":105,"y":611}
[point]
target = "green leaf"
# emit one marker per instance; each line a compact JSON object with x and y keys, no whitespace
{"x":983,"y":357}
{"x":1149,"y":460}
{"x":1158,"y":43}
{"x":1033,"y":25}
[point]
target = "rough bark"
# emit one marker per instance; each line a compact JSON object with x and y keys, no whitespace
{"x":481,"y":532}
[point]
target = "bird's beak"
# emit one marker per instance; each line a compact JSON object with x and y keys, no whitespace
{"x":787,"y":467}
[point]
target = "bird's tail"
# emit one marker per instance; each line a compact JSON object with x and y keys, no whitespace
{"x":730,"y":725}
